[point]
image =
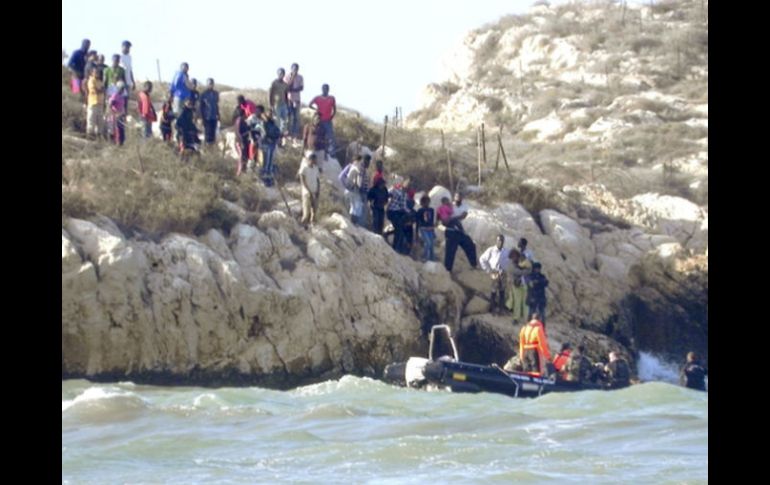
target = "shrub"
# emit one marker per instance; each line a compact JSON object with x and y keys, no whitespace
{"x":644,"y":42}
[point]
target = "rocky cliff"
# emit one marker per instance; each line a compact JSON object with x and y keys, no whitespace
{"x":275,"y":304}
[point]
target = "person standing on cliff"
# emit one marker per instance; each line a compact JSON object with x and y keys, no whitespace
{"x":536,"y":285}
{"x":209,"y":111}
{"x":518,"y":269}
{"x":296,"y":85}
{"x":494,"y":261}
{"x":326,"y":106}
{"x":77,"y":66}
{"x":310,"y":181}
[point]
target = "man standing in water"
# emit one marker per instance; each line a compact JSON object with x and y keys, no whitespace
{"x":693,"y":374}
{"x":617,"y":372}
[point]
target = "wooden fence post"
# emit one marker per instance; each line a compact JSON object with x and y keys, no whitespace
{"x":384,"y":135}
{"x":483,"y":144}
{"x":502,"y":150}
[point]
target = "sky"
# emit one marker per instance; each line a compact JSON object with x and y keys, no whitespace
{"x":375,"y":55}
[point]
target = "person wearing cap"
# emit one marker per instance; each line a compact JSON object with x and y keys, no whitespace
{"x":560,"y":361}
{"x":125,"y":63}
{"x":536,"y":285}
{"x":310,"y":181}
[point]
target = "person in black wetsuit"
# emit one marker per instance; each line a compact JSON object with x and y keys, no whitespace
{"x":693,"y":374}
{"x":617,"y":372}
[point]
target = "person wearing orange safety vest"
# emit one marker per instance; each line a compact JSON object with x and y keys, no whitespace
{"x":560,"y":361}
{"x":533,"y":347}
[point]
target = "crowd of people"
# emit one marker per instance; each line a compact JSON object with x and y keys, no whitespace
{"x":106,"y":90}
{"x":518,"y":285}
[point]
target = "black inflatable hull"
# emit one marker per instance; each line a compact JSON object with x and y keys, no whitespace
{"x":465,"y":377}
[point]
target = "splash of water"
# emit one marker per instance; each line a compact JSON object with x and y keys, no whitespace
{"x":654,"y":368}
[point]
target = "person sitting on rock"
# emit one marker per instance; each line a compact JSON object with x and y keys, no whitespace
{"x":693,"y":374}
{"x":617,"y":372}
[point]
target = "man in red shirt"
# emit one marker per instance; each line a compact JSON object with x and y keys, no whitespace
{"x":146,"y":109}
{"x":327,"y":108}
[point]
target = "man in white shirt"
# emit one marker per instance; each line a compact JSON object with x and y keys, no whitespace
{"x":494,"y":262}
{"x":310,"y":181}
{"x":356,"y":184}
{"x":125,"y":63}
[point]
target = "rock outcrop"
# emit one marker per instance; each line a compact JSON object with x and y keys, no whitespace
{"x":279,"y":305}
{"x":274,"y":303}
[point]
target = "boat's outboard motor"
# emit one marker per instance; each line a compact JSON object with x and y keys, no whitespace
{"x":414,"y":375}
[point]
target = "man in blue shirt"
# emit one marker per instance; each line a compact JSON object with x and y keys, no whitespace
{"x":77,"y":66}
{"x":180,"y":88}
